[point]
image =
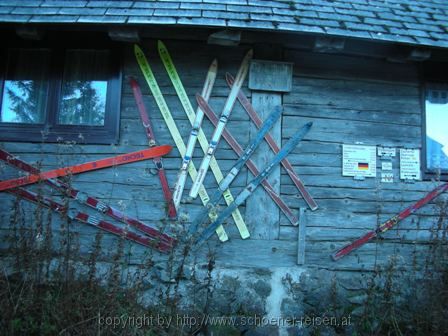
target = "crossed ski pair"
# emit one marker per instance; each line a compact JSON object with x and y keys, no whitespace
{"x":174,"y":131}
{"x":220,"y":130}
{"x":249,"y":189}
{"x":155,"y":239}
{"x":196,"y":133}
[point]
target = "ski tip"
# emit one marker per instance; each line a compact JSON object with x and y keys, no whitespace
{"x":250,"y":53}
{"x":160,"y":45}
{"x":137,"y":49}
{"x":164,"y":149}
{"x":229,"y":79}
{"x":309,"y":124}
{"x":214,"y":65}
{"x":200,"y":99}
{"x":278,"y":110}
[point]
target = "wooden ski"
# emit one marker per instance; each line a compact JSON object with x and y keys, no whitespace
{"x":196,"y":128}
{"x":248,"y":191}
{"x":88,"y":200}
{"x":289,"y":213}
{"x":88,"y":166}
{"x":270,"y":140}
{"x":228,"y":106}
{"x":152,"y":142}
{"x":82,"y":217}
{"x":239,"y":164}
{"x":389,"y":223}
{"x":174,"y":131}
{"x":206,"y":91}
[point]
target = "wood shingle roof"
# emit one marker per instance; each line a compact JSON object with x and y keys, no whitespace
{"x":421,"y":22}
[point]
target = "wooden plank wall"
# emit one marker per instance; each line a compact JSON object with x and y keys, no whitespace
{"x":349,"y":100}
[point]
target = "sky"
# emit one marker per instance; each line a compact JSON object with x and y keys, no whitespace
{"x":437,"y":123}
{"x":8,"y":115}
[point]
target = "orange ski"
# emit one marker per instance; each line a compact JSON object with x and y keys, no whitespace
{"x":88,"y":166}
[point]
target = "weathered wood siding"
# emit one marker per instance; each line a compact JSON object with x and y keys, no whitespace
{"x":349,"y":99}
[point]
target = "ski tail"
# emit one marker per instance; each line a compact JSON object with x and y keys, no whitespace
{"x":208,"y":231}
{"x":354,"y":245}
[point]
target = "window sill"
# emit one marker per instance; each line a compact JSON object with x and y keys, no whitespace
{"x":436,"y":177}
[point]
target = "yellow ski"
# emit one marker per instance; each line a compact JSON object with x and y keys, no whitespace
{"x":183,"y":97}
{"x":166,"y":114}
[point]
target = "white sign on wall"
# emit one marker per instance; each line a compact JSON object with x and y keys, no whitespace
{"x":386,"y":165}
{"x":386,"y":151}
{"x":387,"y":177}
{"x":410,"y":164}
{"x":359,"y":160}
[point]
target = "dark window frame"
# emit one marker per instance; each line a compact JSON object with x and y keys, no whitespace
{"x":428,"y":173}
{"x":51,"y":131}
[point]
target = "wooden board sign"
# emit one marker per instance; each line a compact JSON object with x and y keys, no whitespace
{"x":270,"y":76}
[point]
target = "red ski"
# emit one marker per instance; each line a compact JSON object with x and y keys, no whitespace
{"x":389,"y":223}
{"x":270,"y":140}
{"x":91,"y":220}
{"x":152,"y":142}
{"x":88,"y":200}
{"x":85,"y":167}
{"x":205,"y":107}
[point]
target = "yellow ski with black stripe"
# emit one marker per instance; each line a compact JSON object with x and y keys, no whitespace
{"x":183,"y":97}
{"x":166,"y":114}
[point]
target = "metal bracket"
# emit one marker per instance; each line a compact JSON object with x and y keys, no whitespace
{"x":103,"y":207}
{"x":159,"y":165}
{"x":93,"y":220}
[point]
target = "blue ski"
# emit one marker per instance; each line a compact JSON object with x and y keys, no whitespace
{"x":225,"y":183}
{"x":243,"y":195}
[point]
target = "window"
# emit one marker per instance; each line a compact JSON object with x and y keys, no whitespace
{"x":436,"y":129}
{"x":52,"y":94}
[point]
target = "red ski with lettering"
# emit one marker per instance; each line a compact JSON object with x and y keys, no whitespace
{"x":85,"y":167}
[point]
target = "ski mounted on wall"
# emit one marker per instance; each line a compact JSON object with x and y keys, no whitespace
{"x":90,"y":201}
{"x":248,"y":191}
{"x":206,"y":93}
{"x":225,"y":183}
{"x":182,"y":177}
{"x":271,"y":142}
{"x":168,"y":118}
{"x":82,"y":217}
{"x":152,"y":142}
{"x":228,"y":106}
{"x":244,"y":157}
{"x":389,"y":223}
{"x":88,"y":166}
{"x":249,"y":163}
